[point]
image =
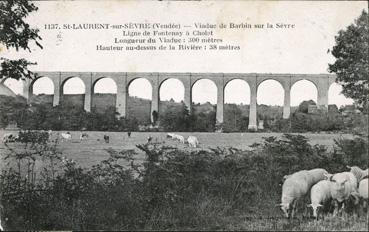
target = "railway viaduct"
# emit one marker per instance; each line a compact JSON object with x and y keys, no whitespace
{"x":123,"y":80}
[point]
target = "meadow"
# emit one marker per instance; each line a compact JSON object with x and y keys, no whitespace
{"x":93,"y":150}
{"x":180,"y":188}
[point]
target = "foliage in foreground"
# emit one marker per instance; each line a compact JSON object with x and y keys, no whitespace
{"x":352,"y":63}
{"x":16,"y":33}
{"x":221,"y":188}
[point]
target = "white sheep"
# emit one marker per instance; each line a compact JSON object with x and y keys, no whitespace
{"x":192,"y":141}
{"x":363,"y":193}
{"x":363,"y":188}
{"x":320,"y":195}
{"x":358,"y":172}
{"x":344,"y":185}
{"x":296,"y":186}
{"x":181,"y":138}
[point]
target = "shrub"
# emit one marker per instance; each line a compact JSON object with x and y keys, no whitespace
{"x":170,"y":189}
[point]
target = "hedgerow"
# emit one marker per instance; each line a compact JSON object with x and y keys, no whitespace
{"x":170,"y":189}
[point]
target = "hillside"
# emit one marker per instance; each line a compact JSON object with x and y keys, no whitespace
{"x":140,"y":108}
{"x":4,"y":90}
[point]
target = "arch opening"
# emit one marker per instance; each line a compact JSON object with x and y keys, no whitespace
{"x":204,"y":91}
{"x":303,"y":90}
{"x":270,"y":92}
{"x":270,"y":101}
{"x":43,"y":85}
{"x":104,"y":94}
{"x":236,"y":108}
{"x":139,"y":100}
{"x":171,"y":95}
{"x":73,"y":92}
{"x":42,"y":89}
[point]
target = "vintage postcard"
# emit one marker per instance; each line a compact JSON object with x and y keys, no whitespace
{"x":184,"y":115}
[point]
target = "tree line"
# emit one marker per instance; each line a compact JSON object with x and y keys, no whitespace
{"x":67,"y":116}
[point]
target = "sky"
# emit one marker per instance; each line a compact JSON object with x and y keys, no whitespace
{"x":299,"y":50}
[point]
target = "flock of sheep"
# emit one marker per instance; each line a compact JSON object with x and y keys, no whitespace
{"x":191,"y":140}
{"x":326,"y":190}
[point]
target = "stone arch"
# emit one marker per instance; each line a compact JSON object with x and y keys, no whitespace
{"x":103,"y":93}
{"x":46,"y":88}
{"x":141,"y":81}
{"x":42,"y":89}
{"x":76,"y":90}
{"x":139,"y":90}
{"x":236,"y":105}
{"x":173,"y":90}
{"x":273,"y":95}
{"x":77,"y":81}
{"x":305,"y":90}
{"x":104,"y":81}
{"x":209,"y":87}
{"x":335,"y":97}
{"x":239,"y":86}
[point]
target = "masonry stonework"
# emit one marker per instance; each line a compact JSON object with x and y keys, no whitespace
{"x":123,"y":79}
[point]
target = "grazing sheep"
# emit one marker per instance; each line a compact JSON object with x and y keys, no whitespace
{"x":296,"y":186}
{"x":363,"y":193}
{"x":320,"y":196}
{"x":66,"y":136}
{"x":358,"y":172}
{"x":170,"y":135}
{"x":344,"y":185}
{"x":363,"y":188}
{"x":192,"y":141}
{"x":180,"y":138}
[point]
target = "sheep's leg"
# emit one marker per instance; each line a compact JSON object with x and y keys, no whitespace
{"x":342,"y":208}
{"x":356,"y":195}
{"x":335,"y":211}
{"x":293,"y":211}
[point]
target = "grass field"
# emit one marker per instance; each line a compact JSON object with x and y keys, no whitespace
{"x":92,"y":150}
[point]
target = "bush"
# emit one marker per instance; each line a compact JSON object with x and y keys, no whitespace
{"x":170,"y":189}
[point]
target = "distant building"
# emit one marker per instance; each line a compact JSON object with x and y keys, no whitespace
{"x":313,"y":109}
{"x":349,"y":109}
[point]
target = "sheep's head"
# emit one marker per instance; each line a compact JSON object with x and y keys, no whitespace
{"x":315,"y":208}
{"x":286,"y":209}
{"x":338,"y":181}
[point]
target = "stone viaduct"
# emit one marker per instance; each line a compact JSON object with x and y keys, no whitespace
{"x":123,"y":80}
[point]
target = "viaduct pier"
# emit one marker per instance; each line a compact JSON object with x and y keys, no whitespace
{"x":123,"y":80}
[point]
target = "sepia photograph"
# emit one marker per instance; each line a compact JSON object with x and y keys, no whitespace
{"x":191,"y":115}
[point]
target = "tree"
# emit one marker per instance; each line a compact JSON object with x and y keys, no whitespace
{"x":176,"y":118}
{"x":16,"y":33}
{"x":351,"y":65}
{"x":304,"y":106}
